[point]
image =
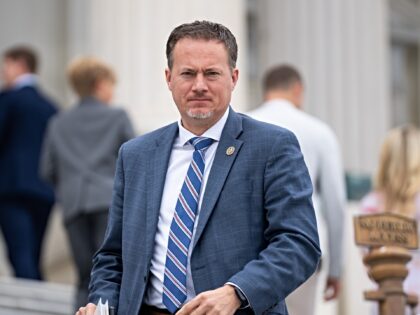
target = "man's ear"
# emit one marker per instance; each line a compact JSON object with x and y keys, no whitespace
{"x":297,"y":94}
{"x":168,"y":77}
{"x":235,"y":77}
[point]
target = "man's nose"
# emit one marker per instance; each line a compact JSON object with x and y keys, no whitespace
{"x":200,"y":84}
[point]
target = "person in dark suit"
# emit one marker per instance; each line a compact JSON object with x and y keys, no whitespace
{"x":212,"y":214}
{"x":78,"y":159}
{"x":25,"y":199}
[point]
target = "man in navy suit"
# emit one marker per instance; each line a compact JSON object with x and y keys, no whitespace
{"x":25,"y":199}
{"x":212,"y":214}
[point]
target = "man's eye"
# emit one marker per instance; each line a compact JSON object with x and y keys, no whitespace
{"x":212,"y":73}
{"x":187,"y":73}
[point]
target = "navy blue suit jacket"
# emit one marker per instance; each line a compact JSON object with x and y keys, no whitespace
{"x":24,"y":114}
{"x":256,"y":227}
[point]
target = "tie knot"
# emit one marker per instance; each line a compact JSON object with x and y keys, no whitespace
{"x":201,"y":143}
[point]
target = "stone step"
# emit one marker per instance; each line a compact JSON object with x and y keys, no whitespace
{"x":29,"y":297}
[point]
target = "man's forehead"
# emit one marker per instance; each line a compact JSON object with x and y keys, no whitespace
{"x":200,"y":49}
{"x":193,"y":67}
{"x":187,"y":41}
{"x":200,"y":39}
{"x":10,"y":60}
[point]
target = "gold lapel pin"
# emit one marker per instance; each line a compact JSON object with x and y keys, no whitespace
{"x":230,"y":150}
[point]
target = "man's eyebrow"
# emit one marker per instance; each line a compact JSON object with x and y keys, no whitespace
{"x":187,"y":69}
{"x":213,"y":69}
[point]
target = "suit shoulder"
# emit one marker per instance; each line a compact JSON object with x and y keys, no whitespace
{"x":117,"y":110}
{"x":32,"y":95}
{"x":62,"y":116}
{"x":119,"y":113}
{"x":148,"y":140}
{"x":101,"y":109}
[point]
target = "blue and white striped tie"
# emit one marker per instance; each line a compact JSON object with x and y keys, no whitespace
{"x":175,"y":279}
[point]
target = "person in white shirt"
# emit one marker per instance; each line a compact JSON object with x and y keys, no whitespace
{"x":283,"y":93}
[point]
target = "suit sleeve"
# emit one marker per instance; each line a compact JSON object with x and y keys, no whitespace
{"x":292,"y":253}
{"x":4,"y":117}
{"x":107,"y":264}
{"x":48,"y":160}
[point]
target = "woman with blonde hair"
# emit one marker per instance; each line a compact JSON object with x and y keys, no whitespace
{"x":397,"y":187}
{"x":79,"y":159}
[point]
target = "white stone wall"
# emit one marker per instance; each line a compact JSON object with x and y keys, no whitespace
{"x":40,"y":24}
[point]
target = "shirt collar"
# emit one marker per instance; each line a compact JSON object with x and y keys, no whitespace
{"x":89,"y":100}
{"x":214,"y":132}
{"x":26,"y":79}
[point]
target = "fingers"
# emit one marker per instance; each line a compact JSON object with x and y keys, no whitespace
{"x":203,"y":310}
{"x":332,"y":289}
{"x":329,"y":294}
{"x":200,"y":305}
{"x":190,"y":306}
{"x":222,"y":301}
{"x":87,"y":310}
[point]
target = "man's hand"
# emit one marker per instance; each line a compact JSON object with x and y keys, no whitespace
{"x":332,"y":289}
{"x":87,"y":310}
{"x":222,"y":301}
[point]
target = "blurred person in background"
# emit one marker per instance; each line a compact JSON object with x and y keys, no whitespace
{"x":397,"y":188}
{"x":25,"y":199}
{"x":283,"y":94}
{"x":79,"y":157}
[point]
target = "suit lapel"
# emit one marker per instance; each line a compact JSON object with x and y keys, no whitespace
{"x":156,"y":174}
{"x":220,"y":169}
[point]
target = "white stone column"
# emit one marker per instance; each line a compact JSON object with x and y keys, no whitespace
{"x":341,"y":48}
{"x":132,"y":34}
{"x":38,"y":24}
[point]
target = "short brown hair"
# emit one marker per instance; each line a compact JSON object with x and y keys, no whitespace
{"x":204,"y":30}
{"x":24,"y":54}
{"x":281,"y":77}
{"x":85,"y":72}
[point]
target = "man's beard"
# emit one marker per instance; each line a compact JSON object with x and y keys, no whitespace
{"x":199,"y":116}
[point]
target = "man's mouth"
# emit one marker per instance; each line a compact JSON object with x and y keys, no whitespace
{"x":198,"y":99}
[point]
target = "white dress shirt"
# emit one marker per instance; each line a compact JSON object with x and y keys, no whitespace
{"x":179,"y":162}
{"x":322,"y":156}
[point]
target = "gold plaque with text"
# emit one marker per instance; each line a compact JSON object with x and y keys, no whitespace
{"x":386,"y":229}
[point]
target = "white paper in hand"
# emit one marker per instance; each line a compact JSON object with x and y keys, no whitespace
{"x":102,"y":308}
